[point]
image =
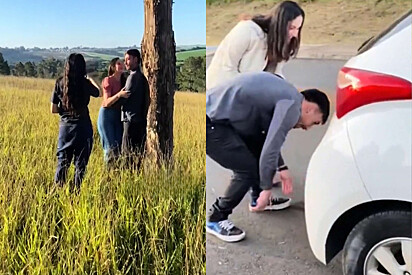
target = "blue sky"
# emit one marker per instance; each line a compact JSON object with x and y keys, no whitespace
{"x":92,"y":23}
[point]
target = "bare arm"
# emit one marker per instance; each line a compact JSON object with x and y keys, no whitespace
{"x":95,"y":84}
{"x":109,"y":101}
{"x":54,"y":109}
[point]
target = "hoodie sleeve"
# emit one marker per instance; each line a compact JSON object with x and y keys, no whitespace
{"x":230,"y":51}
{"x":285,"y":117}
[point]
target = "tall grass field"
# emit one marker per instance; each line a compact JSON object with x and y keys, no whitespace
{"x":147,"y":221}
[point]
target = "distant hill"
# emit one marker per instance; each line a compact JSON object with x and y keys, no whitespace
{"x":21,"y":54}
{"x":182,"y":55}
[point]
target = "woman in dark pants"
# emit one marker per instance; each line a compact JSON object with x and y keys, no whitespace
{"x":70,"y":99}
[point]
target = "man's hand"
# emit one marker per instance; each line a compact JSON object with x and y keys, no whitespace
{"x":263,"y":200}
{"x":287,"y":183}
{"x":123,"y":93}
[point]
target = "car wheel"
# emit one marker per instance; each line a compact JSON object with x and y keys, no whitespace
{"x":380,"y":244}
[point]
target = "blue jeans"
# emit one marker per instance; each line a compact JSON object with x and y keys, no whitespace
{"x":110,"y":130}
{"x":74,"y":144}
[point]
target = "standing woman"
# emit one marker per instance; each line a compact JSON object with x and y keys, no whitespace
{"x":260,"y":43}
{"x":70,"y":99}
{"x":109,"y":122}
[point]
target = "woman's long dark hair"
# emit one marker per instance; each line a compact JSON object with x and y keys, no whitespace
{"x":73,"y":82}
{"x":275,"y":25}
{"x":112,"y":66}
{"x":112,"y":70}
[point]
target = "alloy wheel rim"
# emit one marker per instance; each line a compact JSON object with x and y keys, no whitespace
{"x":390,"y":256}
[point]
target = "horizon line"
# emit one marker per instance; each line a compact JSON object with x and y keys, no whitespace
{"x":81,"y":46}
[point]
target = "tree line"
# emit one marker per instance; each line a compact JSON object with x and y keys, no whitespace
{"x":190,"y":75}
{"x":49,"y":68}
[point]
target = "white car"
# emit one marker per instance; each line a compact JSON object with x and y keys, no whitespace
{"x":358,"y":193}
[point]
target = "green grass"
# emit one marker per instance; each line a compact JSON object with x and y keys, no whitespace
{"x":149,"y":221}
{"x":181,"y":56}
{"x":105,"y":57}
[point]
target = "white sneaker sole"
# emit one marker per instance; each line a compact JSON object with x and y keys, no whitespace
{"x":229,"y":239}
{"x":278,"y":206}
{"x":274,"y":207}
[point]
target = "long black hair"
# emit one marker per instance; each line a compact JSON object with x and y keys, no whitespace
{"x":275,"y":25}
{"x":73,"y":82}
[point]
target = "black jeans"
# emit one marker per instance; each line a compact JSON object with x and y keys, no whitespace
{"x":133,"y":141}
{"x":228,"y":149}
{"x":74,"y":143}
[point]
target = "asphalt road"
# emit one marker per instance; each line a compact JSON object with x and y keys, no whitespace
{"x":276,"y":242}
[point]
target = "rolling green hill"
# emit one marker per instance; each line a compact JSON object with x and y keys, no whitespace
{"x":23,"y":55}
{"x":182,"y":56}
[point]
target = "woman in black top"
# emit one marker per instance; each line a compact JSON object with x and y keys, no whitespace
{"x":70,"y":99}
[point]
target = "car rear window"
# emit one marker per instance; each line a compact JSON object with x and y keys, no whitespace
{"x":394,"y":28}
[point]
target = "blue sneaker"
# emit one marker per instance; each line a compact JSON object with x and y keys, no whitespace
{"x":225,"y":230}
{"x":275,"y":204}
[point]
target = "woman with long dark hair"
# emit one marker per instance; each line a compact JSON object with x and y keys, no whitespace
{"x":109,"y":122}
{"x":70,"y":99}
{"x":260,"y":43}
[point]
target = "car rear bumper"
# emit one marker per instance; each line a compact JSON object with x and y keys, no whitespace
{"x":333,"y":185}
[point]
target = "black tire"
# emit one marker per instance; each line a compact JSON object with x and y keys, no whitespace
{"x":370,"y":231}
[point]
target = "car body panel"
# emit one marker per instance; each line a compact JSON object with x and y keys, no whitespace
{"x":333,"y":185}
{"x":365,"y":156}
{"x":381,"y":139}
{"x":392,"y":56}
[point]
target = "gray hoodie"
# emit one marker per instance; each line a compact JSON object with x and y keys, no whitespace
{"x":257,"y":104}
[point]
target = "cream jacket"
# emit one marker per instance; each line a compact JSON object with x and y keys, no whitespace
{"x":242,"y":50}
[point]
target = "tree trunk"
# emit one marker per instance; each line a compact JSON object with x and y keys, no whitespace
{"x":159,"y":66}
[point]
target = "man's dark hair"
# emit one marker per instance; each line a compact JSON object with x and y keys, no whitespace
{"x":135,"y":53}
{"x":320,"y":98}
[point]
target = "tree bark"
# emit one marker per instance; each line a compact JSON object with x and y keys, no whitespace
{"x":159,"y":66}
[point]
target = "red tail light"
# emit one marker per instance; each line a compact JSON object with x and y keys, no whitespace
{"x":356,"y":88}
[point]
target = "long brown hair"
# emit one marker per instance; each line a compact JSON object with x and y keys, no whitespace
{"x":73,"y":82}
{"x":275,"y":25}
{"x":112,"y":70}
{"x":112,"y":66}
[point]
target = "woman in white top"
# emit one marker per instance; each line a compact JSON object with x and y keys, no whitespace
{"x":262,"y":43}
